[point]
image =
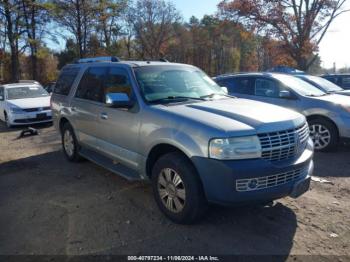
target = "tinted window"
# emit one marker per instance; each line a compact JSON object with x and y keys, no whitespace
{"x":91,"y":84}
{"x":346,"y":81}
{"x":266,"y":87}
{"x":240,"y":85}
{"x":117,"y":81}
{"x":2,"y":94}
{"x":65,"y":81}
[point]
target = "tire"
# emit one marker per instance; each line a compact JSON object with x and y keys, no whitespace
{"x":177,"y":189}
{"x":324,"y":134}
{"x":7,"y":120}
{"x":70,"y":144}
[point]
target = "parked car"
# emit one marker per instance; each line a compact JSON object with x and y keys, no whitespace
{"x":24,"y":103}
{"x":342,"y":80}
{"x":173,"y":125}
{"x":324,"y":85}
{"x":286,"y":70}
{"x":328,"y":114}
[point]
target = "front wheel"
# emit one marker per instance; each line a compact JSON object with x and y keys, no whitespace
{"x":324,"y":134}
{"x":177,"y":189}
{"x":7,"y":121}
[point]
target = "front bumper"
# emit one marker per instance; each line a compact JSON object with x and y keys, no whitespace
{"x":30,"y":117}
{"x":262,"y":180}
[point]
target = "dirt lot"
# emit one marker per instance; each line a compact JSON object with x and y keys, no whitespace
{"x":51,"y":206}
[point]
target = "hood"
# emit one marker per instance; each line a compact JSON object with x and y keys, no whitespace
{"x":30,"y":102}
{"x":344,"y":92}
{"x":336,"y":99}
{"x":235,"y":115}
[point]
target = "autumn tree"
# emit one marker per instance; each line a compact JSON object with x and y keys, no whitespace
{"x":11,"y":12}
{"x":299,"y":24}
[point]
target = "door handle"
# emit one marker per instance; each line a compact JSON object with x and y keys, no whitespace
{"x":104,"y":116}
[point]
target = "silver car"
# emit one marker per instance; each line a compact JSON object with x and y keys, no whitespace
{"x":328,"y":114}
{"x":173,"y":125}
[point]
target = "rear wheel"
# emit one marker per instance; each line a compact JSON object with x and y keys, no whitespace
{"x":177,"y":189}
{"x":69,"y":143}
{"x":324,"y":134}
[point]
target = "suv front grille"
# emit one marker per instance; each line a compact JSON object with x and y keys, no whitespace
{"x":282,"y":145}
{"x":251,"y":184}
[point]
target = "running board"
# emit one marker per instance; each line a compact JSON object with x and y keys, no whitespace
{"x":109,"y":164}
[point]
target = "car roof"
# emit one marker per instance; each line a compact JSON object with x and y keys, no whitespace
{"x":268,"y":74}
{"x":19,"y":85}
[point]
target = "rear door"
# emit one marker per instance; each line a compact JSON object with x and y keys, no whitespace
{"x":86,"y":106}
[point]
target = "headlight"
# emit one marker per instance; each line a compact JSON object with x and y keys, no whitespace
{"x":16,"y":110}
{"x":235,"y":148}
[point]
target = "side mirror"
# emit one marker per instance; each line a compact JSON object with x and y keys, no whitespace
{"x":224,"y":89}
{"x":285,"y":94}
{"x":119,"y":100}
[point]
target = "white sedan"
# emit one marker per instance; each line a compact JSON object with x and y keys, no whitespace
{"x":24,"y":103}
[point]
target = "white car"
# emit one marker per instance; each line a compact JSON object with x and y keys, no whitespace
{"x":24,"y":103}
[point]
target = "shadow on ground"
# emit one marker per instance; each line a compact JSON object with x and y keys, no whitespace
{"x":51,"y":206}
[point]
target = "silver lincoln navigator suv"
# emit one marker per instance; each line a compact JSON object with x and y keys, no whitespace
{"x":171,"y":124}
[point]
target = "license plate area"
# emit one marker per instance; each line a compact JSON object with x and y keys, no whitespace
{"x":41,"y":116}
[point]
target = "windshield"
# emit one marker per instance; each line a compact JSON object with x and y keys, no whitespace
{"x":25,"y":92}
{"x":323,"y":83}
{"x":299,"y":86}
{"x":175,"y":82}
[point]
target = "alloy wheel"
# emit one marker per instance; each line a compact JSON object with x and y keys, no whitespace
{"x":68,"y":143}
{"x":171,"y":190}
{"x":320,"y":135}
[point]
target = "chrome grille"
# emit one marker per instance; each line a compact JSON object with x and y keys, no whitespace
{"x":281,"y":145}
{"x":257,"y":183}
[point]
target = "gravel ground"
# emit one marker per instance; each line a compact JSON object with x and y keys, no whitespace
{"x":49,"y":206}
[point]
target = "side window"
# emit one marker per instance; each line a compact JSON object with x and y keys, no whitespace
{"x":65,"y":81}
{"x":229,"y":83}
{"x":266,"y":87}
{"x":346,"y":81}
{"x":2,"y":94}
{"x":91,"y":84}
{"x":244,"y":85}
{"x":117,"y":81}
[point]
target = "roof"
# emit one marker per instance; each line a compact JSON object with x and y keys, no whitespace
{"x":245,"y":74}
{"x":19,"y":85}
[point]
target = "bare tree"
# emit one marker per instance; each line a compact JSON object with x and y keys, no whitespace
{"x":76,"y":16}
{"x":153,"y":22}
{"x":299,"y":24}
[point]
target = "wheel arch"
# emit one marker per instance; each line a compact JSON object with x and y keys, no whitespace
{"x":316,"y":116}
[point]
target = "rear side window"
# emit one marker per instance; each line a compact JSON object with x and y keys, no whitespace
{"x":65,"y":81}
{"x":92,"y":83}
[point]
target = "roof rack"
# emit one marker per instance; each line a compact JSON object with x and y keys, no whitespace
{"x":99,"y":59}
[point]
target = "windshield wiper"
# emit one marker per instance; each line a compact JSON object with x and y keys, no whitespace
{"x":171,"y":99}
{"x":214,"y":94}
